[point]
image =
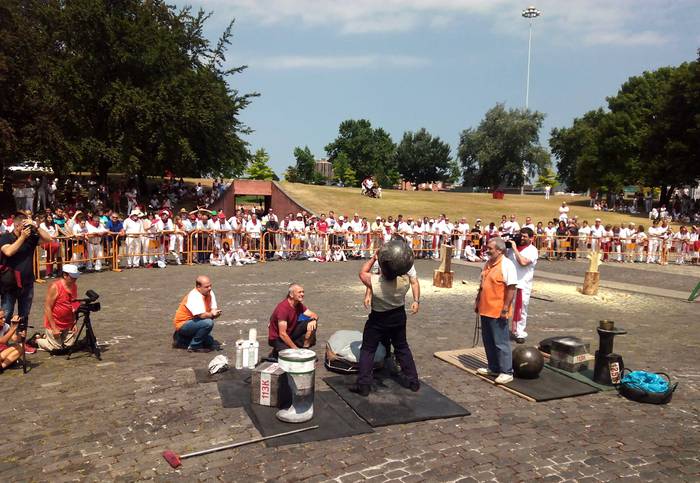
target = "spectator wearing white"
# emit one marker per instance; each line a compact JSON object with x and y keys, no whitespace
{"x":405,"y":229}
{"x":244,"y":257}
{"x":547,"y":191}
{"x":524,"y":257}
{"x":388,"y":231}
{"x":665,"y":241}
{"x":166,"y":228}
{"x":131,"y":200}
{"x":96,"y":231}
{"x":584,"y":235}
{"x":254,"y":230}
{"x":340,"y":231}
{"x":640,"y":239}
{"x":462,"y":230}
{"x":510,"y":228}
{"x":630,"y":242}
{"x":356,"y":223}
{"x":654,"y":244}
{"x":221,"y":228}
{"x":133,"y":227}
{"x":681,"y":240}
{"x":470,"y":253}
{"x":80,"y":233}
{"x":597,"y":233}
{"x":149,"y":241}
{"x":654,"y":214}
{"x":230,"y":255}
{"x":216,"y":258}
{"x":563,"y":212}
{"x":529,"y":224}
{"x":429,"y":236}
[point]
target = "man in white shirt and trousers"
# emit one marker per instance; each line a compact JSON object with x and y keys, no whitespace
{"x":524,"y":256}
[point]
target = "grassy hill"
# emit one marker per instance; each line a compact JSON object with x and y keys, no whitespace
{"x":347,"y":201}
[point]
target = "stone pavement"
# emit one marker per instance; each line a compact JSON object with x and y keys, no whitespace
{"x":109,"y":421}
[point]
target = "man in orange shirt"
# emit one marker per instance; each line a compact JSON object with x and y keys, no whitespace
{"x":194,"y":319}
{"x":493,"y":304}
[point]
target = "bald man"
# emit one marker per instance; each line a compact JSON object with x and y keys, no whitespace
{"x":194,"y":319}
{"x":292,"y":325}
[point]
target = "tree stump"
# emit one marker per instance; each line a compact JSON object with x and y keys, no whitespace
{"x":590,"y":283}
{"x":443,"y":275}
{"x":591,"y":280}
{"x":442,"y":279}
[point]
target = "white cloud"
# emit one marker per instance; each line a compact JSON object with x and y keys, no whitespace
{"x":617,"y":22}
{"x":288,"y":62}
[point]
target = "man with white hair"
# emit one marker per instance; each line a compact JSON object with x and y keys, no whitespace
{"x":597,"y":232}
{"x":463,"y":233}
{"x":292,"y":325}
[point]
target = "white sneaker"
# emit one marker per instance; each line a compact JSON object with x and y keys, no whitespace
{"x":504,"y":379}
{"x":483,"y":371}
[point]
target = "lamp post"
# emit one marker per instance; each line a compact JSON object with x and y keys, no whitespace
{"x":529,"y":13}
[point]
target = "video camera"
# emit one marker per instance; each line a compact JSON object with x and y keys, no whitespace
{"x":89,"y":303}
{"x":514,"y":241}
{"x":23,"y":324}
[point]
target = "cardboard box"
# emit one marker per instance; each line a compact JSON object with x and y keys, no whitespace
{"x":269,"y":387}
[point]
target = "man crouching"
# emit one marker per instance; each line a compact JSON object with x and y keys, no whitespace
{"x":292,"y":325}
{"x":194,"y":319}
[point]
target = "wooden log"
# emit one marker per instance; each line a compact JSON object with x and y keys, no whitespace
{"x":443,"y":279}
{"x":591,"y":281}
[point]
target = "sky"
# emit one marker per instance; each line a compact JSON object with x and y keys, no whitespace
{"x":435,"y":64}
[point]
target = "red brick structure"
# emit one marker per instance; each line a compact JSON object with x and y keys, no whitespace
{"x":275,"y":197}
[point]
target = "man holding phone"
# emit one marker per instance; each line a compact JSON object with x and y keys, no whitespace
{"x":194,"y":319}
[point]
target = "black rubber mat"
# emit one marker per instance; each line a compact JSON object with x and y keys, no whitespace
{"x":550,"y":385}
{"x":389,"y":403}
{"x":334,"y":418}
{"x":235,"y":389}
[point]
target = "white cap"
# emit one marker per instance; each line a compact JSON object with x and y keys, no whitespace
{"x":341,"y":218}
{"x":299,"y":215}
{"x":136,"y":213}
{"x":71,"y":270}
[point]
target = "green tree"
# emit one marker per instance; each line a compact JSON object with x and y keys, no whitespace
{"x":306,"y":163}
{"x":343,"y":172}
{"x":579,"y":165}
{"x":291,"y":175}
{"x":546,"y":177}
{"x":506,"y":140}
{"x":370,"y":151}
{"x":648,"y":135}
{"x":131,"y":85}
{"x":422,"y":158}
{"x":259,"y":166}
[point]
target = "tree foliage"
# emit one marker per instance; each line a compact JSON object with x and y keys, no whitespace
{"x":506,"y":141}
{"x":422,"y":158}
{"x":369,"y":151}
{"x":305,"y":167}
{"x":131,"y":86}
{"x":649,"y":135}
{"x":343,"y":172}
{"x":259,"y":166}
{"x":547,"y":177}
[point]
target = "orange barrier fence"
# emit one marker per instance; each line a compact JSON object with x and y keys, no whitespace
{"x":115,"y":251}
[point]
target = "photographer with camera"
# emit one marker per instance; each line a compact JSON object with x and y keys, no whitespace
{"x":524,"y":255}
{"x":11,"y":336}
{"x":17,"y":265}
{"x":59,"y":312}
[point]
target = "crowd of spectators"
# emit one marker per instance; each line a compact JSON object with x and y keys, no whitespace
{"x":154,"y":234}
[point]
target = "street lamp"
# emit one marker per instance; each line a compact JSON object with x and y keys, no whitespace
{"x":529,"y":13}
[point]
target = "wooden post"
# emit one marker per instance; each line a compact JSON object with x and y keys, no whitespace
{"x":591,"y":280}
{"x":443,"y":275}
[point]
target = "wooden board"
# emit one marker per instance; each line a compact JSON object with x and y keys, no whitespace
{"x":443,"y":279}
{"x":470,"y":360}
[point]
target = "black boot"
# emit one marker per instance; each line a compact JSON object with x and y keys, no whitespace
{"x":408,"y":384}
{"x":361,"y":389}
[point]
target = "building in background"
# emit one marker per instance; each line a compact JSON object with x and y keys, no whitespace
{"x":325,"y":169}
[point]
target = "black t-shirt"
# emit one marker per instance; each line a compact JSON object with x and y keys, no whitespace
{"x":22,"y":260}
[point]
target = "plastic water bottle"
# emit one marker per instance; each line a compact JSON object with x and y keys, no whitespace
{"x":253,"y":357}
{"x":253,"y":335}
{"x":239,"y":354}
{"x":245,"y":345}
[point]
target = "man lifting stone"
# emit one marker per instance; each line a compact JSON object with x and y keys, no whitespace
{"x":387,"y":320}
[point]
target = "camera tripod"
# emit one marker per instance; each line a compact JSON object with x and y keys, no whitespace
{"x":89,"y":336}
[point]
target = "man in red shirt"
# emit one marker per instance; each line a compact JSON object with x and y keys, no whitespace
{"x":59,"y":312}
{"x":292,"y":325}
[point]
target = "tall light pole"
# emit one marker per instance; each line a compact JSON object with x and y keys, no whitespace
{"x":529,"y":13}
